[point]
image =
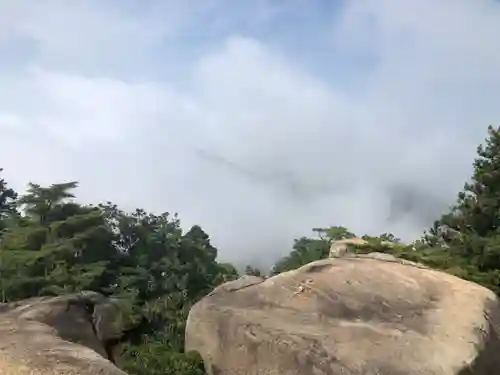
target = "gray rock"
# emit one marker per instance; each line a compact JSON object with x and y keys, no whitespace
{"x":352,"y":315}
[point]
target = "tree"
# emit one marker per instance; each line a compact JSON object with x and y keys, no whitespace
{"x":389,"y":237}
{"x":334,"y":233}
{"x":8,"y":198}
{"x":476,"y":213}
{"x":306,"y":250}
{"x":63,"y":246}
{"x":252,"y":271}
{"x":39,"y":202}
{"x":468,"y":236}
{"x":171,"y":271}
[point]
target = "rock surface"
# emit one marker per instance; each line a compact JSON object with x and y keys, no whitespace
{"x":351,"y":315}
{"x":63,"y":335}
{"x":343,"y":247}
{"x":346,"y":246}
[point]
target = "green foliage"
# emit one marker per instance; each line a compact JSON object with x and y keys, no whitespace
{"x":306,"y":250}
{"x":152,"y":359}
{"x":146,"y":261}
{"x":469,"y":233}
{"x":8,"y":199}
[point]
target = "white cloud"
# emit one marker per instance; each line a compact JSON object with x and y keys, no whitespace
{"x":84,"y":29}
{"x":79,"y":108}
{"x":252,"y":145}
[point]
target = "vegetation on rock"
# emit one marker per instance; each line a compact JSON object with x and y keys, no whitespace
{"x":50,"y":244}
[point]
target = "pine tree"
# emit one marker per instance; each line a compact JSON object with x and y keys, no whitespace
{"x":40,"y":202}
{"x":8,"y":198}
{"x":470,"y":232}
{"x":57,"y":246}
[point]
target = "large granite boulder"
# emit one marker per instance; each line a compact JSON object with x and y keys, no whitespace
{"x":349,"y":315}
{"x":66,"y":335}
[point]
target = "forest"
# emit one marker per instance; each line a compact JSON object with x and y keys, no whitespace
{"x":50,"y":244}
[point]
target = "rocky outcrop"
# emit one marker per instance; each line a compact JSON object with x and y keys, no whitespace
{"x":348,"y":246}
{"x":67,"y":335}
{"x":343,"y":247}
{"x":349,"y":315}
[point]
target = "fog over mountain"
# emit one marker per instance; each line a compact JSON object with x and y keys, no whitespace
{"x":257,"y":120}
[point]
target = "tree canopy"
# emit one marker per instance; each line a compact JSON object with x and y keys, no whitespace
{"x":50,"y":244}
{"x":54,"y":245}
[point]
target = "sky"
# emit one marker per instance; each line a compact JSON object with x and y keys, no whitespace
{"x":258,"y":119}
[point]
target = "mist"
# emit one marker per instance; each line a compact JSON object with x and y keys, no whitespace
{"x":359,"y":115}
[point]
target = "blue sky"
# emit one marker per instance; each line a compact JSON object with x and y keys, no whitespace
{"x":256,"y":119}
